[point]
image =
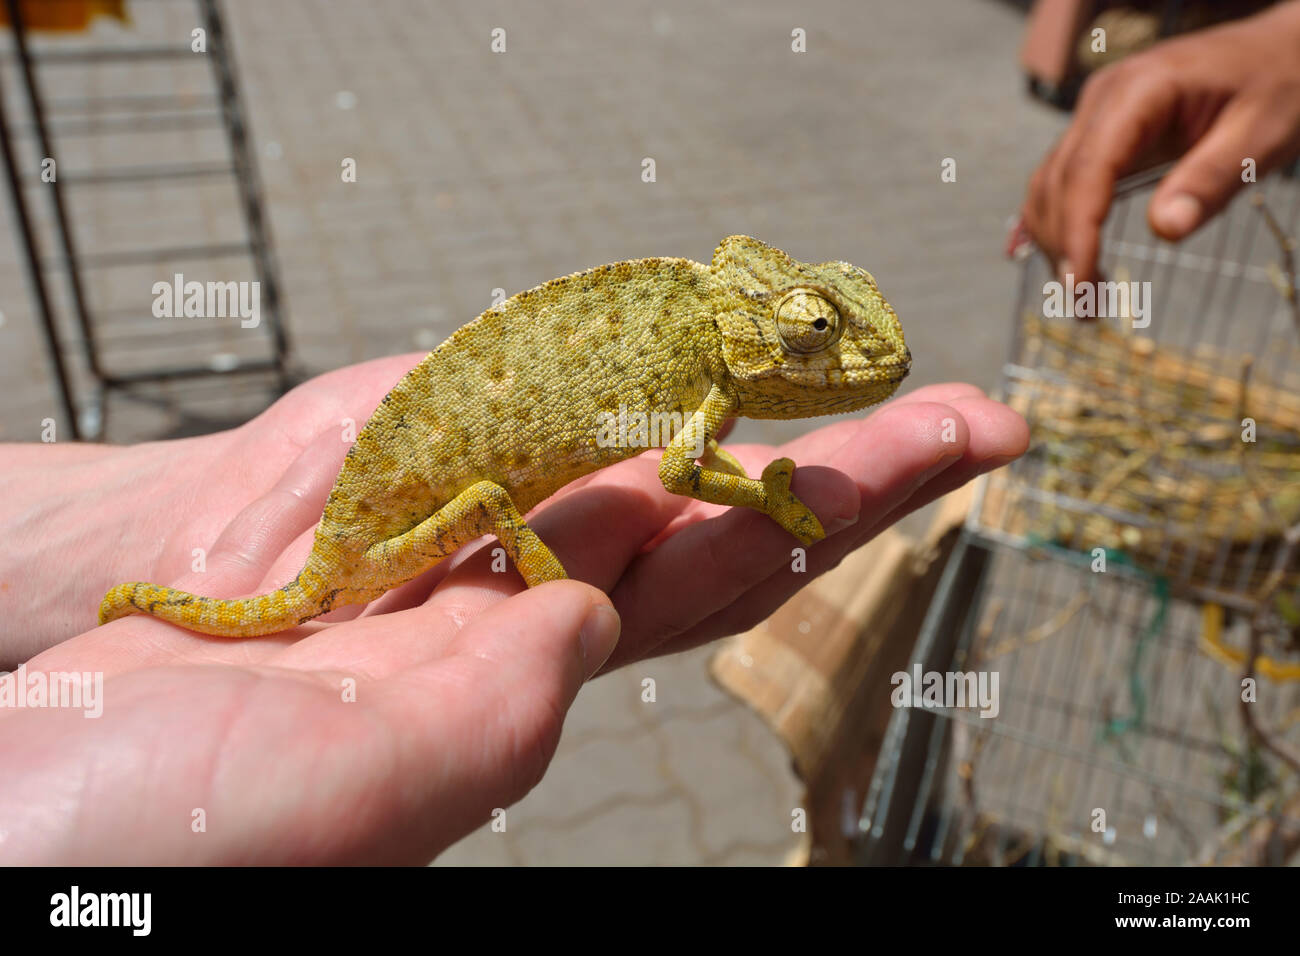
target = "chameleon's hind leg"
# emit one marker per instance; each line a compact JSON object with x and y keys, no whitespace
{"x":482,"y":508}
{"x":717,"y":458}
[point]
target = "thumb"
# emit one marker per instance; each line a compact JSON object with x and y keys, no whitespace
{"x":503,"y":686}
{"x":1252,"y":126}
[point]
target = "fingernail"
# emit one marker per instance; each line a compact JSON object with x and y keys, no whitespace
{"x":1178,"y":216}
{"x":1017,"y":240}
{"x":599,"y":636}
{"x":1065,"y":269}
{"x":839,"y":523}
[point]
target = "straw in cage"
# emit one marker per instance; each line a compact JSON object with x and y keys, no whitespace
{"x":1145,"y":452}
{"x":1183,"y":462}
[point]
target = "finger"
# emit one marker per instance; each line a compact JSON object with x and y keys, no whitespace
{"x":709,"y":562}
{"x":821,"y":443}
{"x":479,"y":725}
{"x":708,"y":565}
{"x":939,"y":392}
{"x":247,"y":548}
{"x":380,"y":645}
{"x":1136,"y":111}
{"x":1055,"y":182}
{"x":599,"y":530}
{"x":1033,"y":209}
{"x":1260,"y":126}
{"x":376,"y":646}
{"x":997,"y":435}
{"x":1040,"y":211}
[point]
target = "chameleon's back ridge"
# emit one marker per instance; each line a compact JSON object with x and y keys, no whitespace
{"x":564,"y":379}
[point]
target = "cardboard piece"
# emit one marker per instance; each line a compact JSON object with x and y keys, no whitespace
{"x":818,"y":670}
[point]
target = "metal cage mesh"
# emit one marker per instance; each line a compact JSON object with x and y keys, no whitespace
{"x":1138,"y":432}
{"x":1120,"y":691}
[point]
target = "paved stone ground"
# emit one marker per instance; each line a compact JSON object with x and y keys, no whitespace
{"x":478,"y":170}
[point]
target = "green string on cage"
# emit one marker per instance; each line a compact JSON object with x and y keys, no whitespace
{"x":1115,"y":728}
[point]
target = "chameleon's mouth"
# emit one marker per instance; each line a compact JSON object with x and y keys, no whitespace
{"x":903,"y":367}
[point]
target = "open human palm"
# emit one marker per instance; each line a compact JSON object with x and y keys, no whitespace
{"x":385,"y":733}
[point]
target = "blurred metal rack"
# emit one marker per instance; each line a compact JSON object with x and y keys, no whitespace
{"x":1121,"y":691}
{"x":89,"y":116}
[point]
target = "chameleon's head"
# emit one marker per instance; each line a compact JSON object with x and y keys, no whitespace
{"x":802,"y":340}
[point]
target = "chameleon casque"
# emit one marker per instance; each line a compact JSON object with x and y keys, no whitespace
{"x":513,"y":406}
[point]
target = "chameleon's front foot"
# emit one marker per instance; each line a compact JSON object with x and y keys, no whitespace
{"x":784,"y":508}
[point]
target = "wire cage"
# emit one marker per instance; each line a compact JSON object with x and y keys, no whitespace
{"x":129,"y":162}
{"x":1129,"y":580}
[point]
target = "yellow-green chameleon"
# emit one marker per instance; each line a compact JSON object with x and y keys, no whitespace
{"x":518,"y":403}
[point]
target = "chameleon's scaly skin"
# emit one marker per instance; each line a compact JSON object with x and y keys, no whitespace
{"x":508,"y":410}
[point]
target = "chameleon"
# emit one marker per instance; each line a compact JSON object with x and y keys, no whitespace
{"x":519,"y":402}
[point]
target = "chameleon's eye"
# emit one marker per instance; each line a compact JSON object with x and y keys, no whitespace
{"x":806,"y":321}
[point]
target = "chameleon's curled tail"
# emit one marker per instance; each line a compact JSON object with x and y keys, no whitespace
{"x":242,"y":617}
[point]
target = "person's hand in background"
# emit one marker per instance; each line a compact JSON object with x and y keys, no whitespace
{"x":1215,"y":98}
{"x":462,"y":677}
